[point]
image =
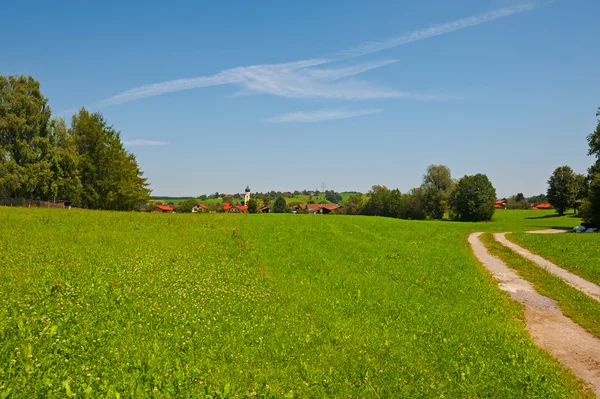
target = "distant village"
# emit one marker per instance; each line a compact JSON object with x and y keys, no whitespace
{"x":310,"y":202}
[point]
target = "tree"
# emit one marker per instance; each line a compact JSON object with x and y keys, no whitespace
{"x":590,"y":210}
{"x":519,"y":197}
{"x":561,"y":189}
{"x":538,"y":199}
{"x":110,"y":176}
{"x":378,"y":201}
{"x":332,"y":196}
{"x":25,"y":146}
{"x":186,"y":206}
{"x":280,"y":205}
{"x":591,"y":206}
{"x":437,"y":185}
{"x":354,"y":204}
{"x":64,"y":164}
{"x":439,"y":177}
{"x":473,"y":198}
{"x":593,"y":140}
{"x":581,"y":190}
{"x":252,"y":206}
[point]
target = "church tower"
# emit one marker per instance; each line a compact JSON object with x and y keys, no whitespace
{"x":247,"y":196}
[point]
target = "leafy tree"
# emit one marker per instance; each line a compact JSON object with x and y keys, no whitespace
{"x":437,"y":185}
{"x":590,"y":210}
{"x":354,"y":204}
{"x":517,"y":202}
{"x":110,"y":176}
{"x":561,"y":189}
{"x":473,"y":198}
{"x":438,"y":177}
{"x":25,"y":146}
{"x":64,"y":164}
{"x":332,"y":196}
{"x":593,"y":140}
{"x":280,"y":205}
{"x":203,"y":197}
{"x":252,"y":205}
{"x":186,"y":206}
{"x":538,"y":199}
{"x":591,"y":205}
{"x":413,"y":204}
{"x":581,"y":190}
{"x":377,"y":203}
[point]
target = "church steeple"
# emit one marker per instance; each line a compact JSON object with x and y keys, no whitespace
{"x":247,"y":196}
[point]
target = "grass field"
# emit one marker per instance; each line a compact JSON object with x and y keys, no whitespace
{"x":578,"y":253}
{"x":574,"y":304}
{"x":174,"y":305}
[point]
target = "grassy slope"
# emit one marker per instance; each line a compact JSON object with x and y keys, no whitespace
{"x":292,"y":305}
{"x":577,"y":253}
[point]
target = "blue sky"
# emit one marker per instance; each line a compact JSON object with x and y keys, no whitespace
{"x":291,"y":95}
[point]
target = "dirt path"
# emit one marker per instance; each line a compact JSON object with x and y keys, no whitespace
{"x":574,"y":347}
{"x":588,"y":288}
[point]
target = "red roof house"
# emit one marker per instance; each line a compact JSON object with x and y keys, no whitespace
{"x":500,"y":204}
{"x":319,"y":208}
{"x":543,"y":206}
{"x":162,"y":208}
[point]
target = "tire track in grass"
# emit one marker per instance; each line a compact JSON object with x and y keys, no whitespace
{"x":573,"y":346}
{"x":587,"y":287}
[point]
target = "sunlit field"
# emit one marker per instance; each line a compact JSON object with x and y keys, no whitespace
{"x":109,"y":304}
{"x":578,"y":253}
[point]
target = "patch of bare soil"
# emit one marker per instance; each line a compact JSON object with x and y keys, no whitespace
{"x":574,"y":347}
{"x":590,"y":289}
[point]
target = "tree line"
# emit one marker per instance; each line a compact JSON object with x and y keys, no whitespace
{"x":41,"y":158}
{"x":470,"y":198}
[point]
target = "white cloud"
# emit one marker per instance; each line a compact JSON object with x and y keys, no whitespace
{"x":322,"y":115}
{"x":302,"y":80}
{"x":372,"y":47}
{"x":139,"y":143}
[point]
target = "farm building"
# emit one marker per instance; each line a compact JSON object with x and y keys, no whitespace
{"x":319,"y":208}
{"x":543,"y":206}
{"x":229,"y":208}
{"x":199,"y":208}
{"x":500,"y":204}
{"x":162,"y":209}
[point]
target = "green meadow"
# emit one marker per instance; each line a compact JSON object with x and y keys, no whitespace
{"x":577,"y":252}
{"x":115,"y":304}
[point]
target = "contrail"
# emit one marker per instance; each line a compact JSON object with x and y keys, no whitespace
{"x":436,"y":30}
{"x":300,"y":80}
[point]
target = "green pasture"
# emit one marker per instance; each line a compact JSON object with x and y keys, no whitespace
{"x":109,"y":304}
{"x":574,"y":304}
{"x":578,"y":253}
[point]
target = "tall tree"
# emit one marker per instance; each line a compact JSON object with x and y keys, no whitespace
{"x":110,"y":176}
{"x":252,"y":205}
{"x":280,"y":205}
{"x":561,"y":189}
{"x":591,"y":211}
{"x":64,"y":164}
{"x":473,"y":198}
{"x":593,"y":140}
{"x":437,"y":185}
{"x":24,"y":143}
